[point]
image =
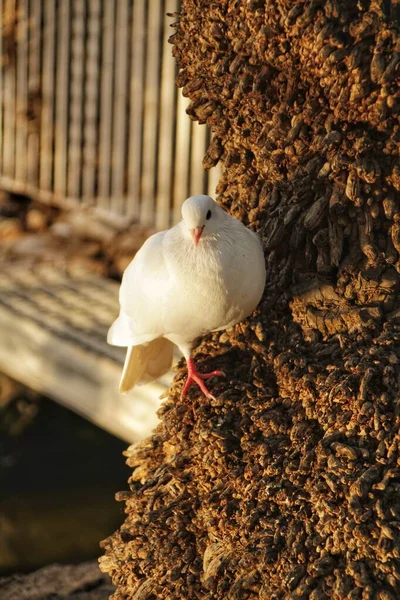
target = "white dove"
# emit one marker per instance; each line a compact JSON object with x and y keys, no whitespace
{"x":205,"y":274}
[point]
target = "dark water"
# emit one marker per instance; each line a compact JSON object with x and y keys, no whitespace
{"x":58,"y":477}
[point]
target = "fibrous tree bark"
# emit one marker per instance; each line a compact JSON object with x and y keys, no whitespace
{"x":288,"y":484}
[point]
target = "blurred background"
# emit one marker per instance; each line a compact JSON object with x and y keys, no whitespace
{"x":96,"y":154}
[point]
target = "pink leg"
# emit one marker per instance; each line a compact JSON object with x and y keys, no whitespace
{"x":195,"y":377}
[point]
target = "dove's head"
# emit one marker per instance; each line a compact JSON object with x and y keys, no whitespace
{"x":202,"y":216}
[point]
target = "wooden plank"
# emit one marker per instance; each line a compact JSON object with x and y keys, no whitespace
{"x":78,"y":379}
{"x":53,"y":340}
{"x":47,"y":117}
{"x":9,"y":16}
{"x":74,"y":181}
{"x":151,"y":112}
{"x":182,"y":154}
{"x":106,"y":103}
{"x":34,"y":70}
{"x":120,"y":100}
{"x":90,"y":167}
{"x":198,"y":149}
{"x":1,"y":86}
{"x":62,"y":89}
{"x":136,"y":101}
{"x":22,"y":92}
{"x":213,"y":177}
{"x":166,"y":154}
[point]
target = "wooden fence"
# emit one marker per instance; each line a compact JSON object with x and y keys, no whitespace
{"x":89,"y":111}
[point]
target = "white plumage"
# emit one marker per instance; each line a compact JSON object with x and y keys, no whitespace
{"x":205,"y":274}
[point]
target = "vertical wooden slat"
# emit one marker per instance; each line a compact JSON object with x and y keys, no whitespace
{"x":214,"y":175}
{"x":106,"y":103}
{"x":151,"y":108}
{"x":76,"y":99}
{"x":1,"y":87}
{"x":47,"y":119}
{"x":137,"y":49}
{"x":120,"y":99}
{"x":61,"y":92}
{"x":92,"y":94}
{"x":22,"y":91}
{"x":198,"y":149}
{"x":9,"y":89}
{"x":34,"y":96}
{"x":182,"y":154}
{"x":166,"y":137}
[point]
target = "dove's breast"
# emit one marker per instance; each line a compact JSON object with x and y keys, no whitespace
{"x":213,"y":286}
{"x":177,"y":290}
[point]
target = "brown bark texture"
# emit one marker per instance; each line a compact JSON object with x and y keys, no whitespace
{"x":287,"y":486}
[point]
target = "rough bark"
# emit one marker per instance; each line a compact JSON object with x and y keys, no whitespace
{"x":287,"y":486}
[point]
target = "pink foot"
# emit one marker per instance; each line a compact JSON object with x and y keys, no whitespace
{"x":195,"y":377}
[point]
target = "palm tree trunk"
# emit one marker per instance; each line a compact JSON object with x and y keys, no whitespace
{"x":288,"y":485}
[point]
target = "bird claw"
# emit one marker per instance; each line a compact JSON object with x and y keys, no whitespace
{"x":195,"y":376}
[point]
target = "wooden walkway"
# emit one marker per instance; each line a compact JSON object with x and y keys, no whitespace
{"x":54,"y":328}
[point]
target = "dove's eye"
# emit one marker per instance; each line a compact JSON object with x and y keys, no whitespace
{"x":208,"y":215}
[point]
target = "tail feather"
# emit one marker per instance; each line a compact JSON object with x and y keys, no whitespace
{"x":146,"y":362}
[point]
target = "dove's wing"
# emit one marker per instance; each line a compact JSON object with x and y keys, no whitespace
{"x":146,"y":362}
{"x":143,"y":289}
{"x":140,"y":324}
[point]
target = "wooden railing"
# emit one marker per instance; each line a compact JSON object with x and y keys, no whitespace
{"x":89,"y":111}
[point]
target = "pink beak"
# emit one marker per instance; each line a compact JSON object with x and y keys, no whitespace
{"x":196,"y":234}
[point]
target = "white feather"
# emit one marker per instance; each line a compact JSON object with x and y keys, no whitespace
{"x":145,"y":363}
